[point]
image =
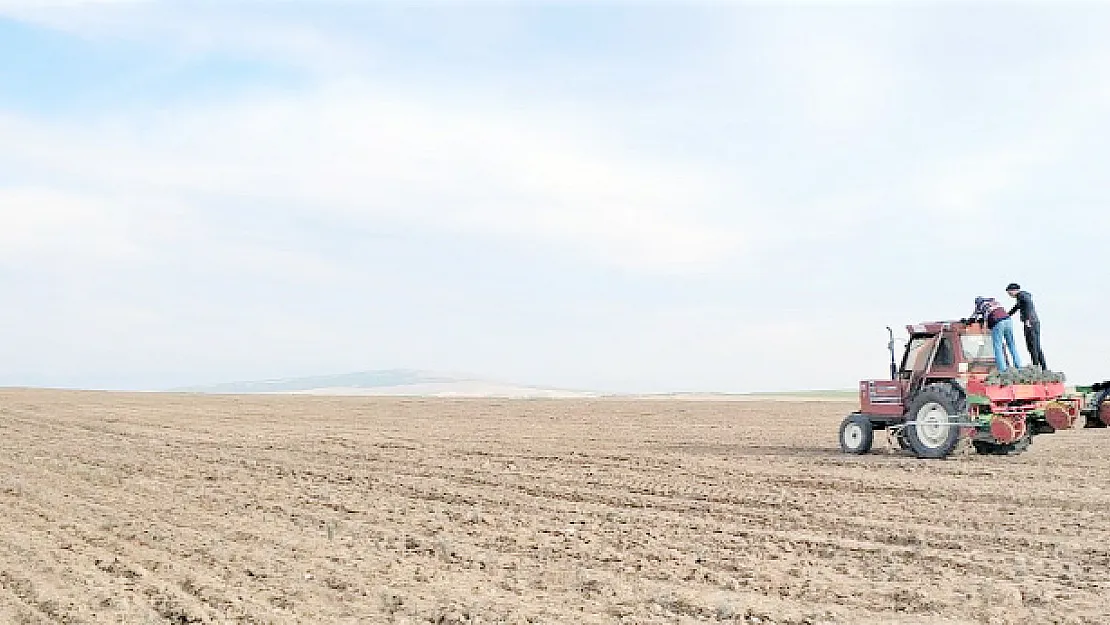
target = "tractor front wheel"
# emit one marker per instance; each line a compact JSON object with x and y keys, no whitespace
{"x":856,"y":434}
{"x":932,"y":416}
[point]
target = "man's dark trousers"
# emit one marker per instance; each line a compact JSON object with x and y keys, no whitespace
{"x":1033,"y":343}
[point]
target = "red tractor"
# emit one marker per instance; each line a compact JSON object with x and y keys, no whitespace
{"x":946,"y":388}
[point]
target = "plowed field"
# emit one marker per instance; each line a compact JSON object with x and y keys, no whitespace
{"x":118,"y":508}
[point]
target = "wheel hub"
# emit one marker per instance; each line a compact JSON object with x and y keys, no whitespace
{"x":853,"y":435}
{"x":932,"y":425}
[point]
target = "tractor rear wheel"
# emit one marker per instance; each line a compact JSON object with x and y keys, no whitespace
{"x":1099,"y":416}
{"x":932,"y":415}
{"x":1000,"y":449}
{"x":1102,"y":407}
{"x":856,"y":434}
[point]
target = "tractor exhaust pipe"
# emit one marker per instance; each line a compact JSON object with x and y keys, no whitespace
{"x":890,"y":347}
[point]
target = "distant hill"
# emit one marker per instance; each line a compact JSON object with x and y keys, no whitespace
{"x":390,"y":382}
{"x":832,"y":395}
{"x":415,"y":383}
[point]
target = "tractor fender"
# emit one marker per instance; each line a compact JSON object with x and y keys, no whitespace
{"x":957,"y":385}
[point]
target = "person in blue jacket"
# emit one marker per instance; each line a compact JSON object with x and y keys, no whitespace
{"x":997,"y":320}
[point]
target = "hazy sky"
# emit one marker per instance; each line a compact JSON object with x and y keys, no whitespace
{"x":628,"y":197}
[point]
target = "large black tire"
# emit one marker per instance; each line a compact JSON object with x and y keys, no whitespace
{"x":856,"y":434}
{"x":999,"y":449}
{"x":930,"y":414}
{"x":1102,"y":407}
{"x":1101,"y":403}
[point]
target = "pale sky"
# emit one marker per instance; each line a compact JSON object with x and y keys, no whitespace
{"x":624,"y":197}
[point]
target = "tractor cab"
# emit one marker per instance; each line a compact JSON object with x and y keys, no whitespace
{"x":949,"y":350}
{"x":946,"y":350}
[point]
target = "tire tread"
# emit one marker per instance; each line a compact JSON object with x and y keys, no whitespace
{"x":952,"y":400}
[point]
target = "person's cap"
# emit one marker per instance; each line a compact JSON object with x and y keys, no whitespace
{"x":980,"y":300}
{"x":1014,"y":286}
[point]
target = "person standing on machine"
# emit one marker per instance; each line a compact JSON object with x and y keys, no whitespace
{"x":997,"y":320}
{"x":1031,"y":323}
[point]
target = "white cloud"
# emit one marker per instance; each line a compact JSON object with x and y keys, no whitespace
{"x":969,"y":186}
{"x":194,"y":28}
{"x":38,"y":5}
{"x":835,"y":69}
{"x":365,"y":157}
{"x":46,"y":224}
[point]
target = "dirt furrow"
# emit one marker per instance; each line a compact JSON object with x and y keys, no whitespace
{"x":166,"y":509}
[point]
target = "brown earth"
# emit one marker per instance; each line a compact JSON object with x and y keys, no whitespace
{"x":120,"y":508}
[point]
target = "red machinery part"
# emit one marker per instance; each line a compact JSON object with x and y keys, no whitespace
{"x":1104,"y":412}
{"x":1061,"y":415}
{"x":1006,"y":429}
{"x":1007,"y":394}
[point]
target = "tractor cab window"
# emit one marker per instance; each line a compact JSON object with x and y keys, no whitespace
{"x":914,"y":360}
{"x":945,"y":356}
{"x":921,"y":348}
{"x":977,"y":347}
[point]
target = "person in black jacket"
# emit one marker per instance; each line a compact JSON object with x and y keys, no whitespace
{"x":1030,"y":322}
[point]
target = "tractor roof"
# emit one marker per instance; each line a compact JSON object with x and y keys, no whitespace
{"x":935,"y":328}
{"x":927,"y":327}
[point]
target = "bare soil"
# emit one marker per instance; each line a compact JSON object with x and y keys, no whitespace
{"x":130,"y":508}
